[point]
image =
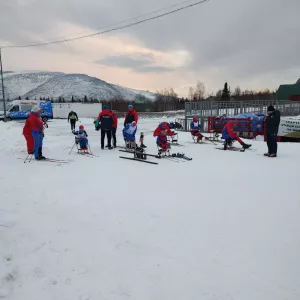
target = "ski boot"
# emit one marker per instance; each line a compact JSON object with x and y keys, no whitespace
{"x":40,"y":155}
{"x":246,"y":146}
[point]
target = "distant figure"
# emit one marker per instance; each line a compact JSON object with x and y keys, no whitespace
{"x":272,"y":126}
{"x":72,"y":118}
{"x":131,"y":115}
{"x":105,"y":119}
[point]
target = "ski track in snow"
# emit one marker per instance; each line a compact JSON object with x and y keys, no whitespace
{"x":222,"y":226}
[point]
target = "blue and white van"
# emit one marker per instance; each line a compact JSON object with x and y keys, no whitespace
{"x":20,"y":110}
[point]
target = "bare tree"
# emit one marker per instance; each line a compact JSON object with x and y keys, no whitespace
{"x":199,"y":91}
{"x":237,"y":92}
{"x":191,"y":94}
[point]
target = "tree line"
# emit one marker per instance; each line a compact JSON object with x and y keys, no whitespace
{"x":168,"y":99}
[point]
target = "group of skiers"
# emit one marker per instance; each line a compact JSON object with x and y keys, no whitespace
{"x":107,"y":122}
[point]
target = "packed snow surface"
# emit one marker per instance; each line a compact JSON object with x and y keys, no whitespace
{"x":224,"y":226}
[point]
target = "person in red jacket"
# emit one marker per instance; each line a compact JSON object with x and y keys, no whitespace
{"x":230,"y":135}
{"x":131,"y":115}
{"x":114,"y":128}
{"x":27,"y":132}
{"x":162,"y":132}
{"x":105,"y":119}
{"x":37,"y":130}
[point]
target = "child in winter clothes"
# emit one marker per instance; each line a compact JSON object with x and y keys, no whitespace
{"x":162,"y":132}
{"x":82,"y":136}
{"x":195,"y":129}
{"x":129,"y":132}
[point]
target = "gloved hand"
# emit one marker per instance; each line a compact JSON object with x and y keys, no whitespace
{"x":42,"y":134}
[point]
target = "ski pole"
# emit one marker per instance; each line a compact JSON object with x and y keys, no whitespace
{"x":72,"y":148}
{"x":26,"y":158}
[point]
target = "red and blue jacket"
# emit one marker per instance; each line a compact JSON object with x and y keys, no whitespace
{"x":105,"y":119}
{"x":195,"y":127}
{"x":35,"y":123}
{"x":162,"y":134}
{"x":228,"y":132}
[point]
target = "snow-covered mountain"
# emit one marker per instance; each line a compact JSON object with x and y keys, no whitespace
{"x":56,"y":84}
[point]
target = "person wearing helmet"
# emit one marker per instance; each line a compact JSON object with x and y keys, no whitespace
{"x":162,"y":132}
{"x":230,"y":135}
{"x":129,"y":135}
{"x":82,"y":135}
{"x":195,"y":128}
{"x":131,"y":115}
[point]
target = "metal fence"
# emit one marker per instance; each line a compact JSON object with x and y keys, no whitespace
{"x":205,"y":109}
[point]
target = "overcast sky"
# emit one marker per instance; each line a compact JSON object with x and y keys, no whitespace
{"x":251,"y":43}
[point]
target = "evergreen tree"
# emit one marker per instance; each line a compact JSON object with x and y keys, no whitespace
{"x":27,"y":98}
{"x":85,"y":99}
{"x":225,"y":93}
{"x":73,"y":99}
{"x":59,"y":99}
{"x":19,"y":98}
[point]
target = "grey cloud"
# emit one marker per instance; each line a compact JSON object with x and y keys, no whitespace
{"x":237,"y":36}
{"x":124,"y":61}
{"x":140,"y":62}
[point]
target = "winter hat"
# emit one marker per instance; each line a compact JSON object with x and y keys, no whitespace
{"x":81,"y":127}
{"x":105,"y":106}
{"x":271,"y":108}
{"x":35,"y":109}
{"x":130,"y":106}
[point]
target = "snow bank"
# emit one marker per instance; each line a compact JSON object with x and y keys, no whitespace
{"x":223,"y":226}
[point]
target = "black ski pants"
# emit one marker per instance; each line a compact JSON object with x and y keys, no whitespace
{"x":108,"y":134}
{"x":73,"y":124}
{"x":113,"y":132}
{"x":272,"y":143}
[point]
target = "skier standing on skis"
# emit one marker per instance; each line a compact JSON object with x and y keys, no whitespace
{"x":272,"y":122}
{"x":129,"y":135}
{"x":195,"y":129}
{"x":162,"y":132}
{"x":82,"y":137}
{"x":72,"y":118}
{"x":27,"y":132}
{"x":105,"y":119}
{"x":230,"y":135}
{"x":35,"y":122}
{"x":131,"y":115}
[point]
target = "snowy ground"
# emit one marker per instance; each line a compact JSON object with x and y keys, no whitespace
{"x":224,"y":226}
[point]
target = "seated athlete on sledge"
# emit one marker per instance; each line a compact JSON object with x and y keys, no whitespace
{"x":81,"y":137}
{"x":195,"y":129}
{"x":129,"y":132}
{"x":230,"y":135}
{"x":162,"y":132}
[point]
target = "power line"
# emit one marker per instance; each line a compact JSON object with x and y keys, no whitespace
{"x":130,"y":19}
{"x":108,"y":30}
